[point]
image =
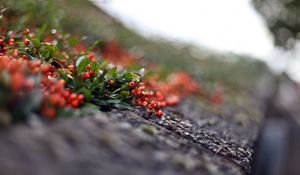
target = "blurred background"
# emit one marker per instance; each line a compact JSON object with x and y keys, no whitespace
{"x":221,"y":26}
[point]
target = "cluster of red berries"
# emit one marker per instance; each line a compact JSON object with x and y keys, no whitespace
{"x":56,"y":96}
{"x":16,"y":71}
{"x":147,"y":98}
{"x":23,"y":74}
{"x":88,"y":74}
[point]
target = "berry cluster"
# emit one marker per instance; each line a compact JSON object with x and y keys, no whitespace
{"x":23,"y":75}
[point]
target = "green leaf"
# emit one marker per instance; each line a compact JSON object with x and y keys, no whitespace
{"x":36,"y":42}
{"x":78,"y":61}
{"x":128,"y":76}
{"x":94,"y":45}
{"x":103,"y":65}
{"x":82,"y":65}
{"x":112,"y":73}
{"x":124,"y":94}
{"x":73,"y":41}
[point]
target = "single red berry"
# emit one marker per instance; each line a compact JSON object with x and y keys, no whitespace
{"x":4,"y":49}
{"x":133,"y":92}
{"x":85,"y":76}
{"x":1,"y":42}
{"x":91,"y":72}
{"x":49,"y":113}
{"x":26,"y":31}
{"x":75,"y":103}
{"x":24,"y":56}
{"x":159,"y":113}
{"x":80,"y":97}
{"x":45,"y":68}
{"x":72,"y":97}
{"x":15,"y":53}
{"x":11,"y":42}
{"x":26,"y":42}
{"x":131,"y":84}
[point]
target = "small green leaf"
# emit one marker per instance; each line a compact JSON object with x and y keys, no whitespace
{"x":36,"y":42}
{"x":124,"y":94}
{"x":94,"y":45}
{"x":128,"y":76}
{"x":73,"y":41}
{"x":112,"y":73}
{"x":78,"y":61}
{"x":82,"y":64}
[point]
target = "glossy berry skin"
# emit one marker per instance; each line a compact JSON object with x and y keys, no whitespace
{"x":26,"y":31}
{"x":26,"y":42}
{"x":131,"y":84}
{"x":11,"y":42}
{"x":91,"y":72}
{"x":159,"y":113}
{"x":85,"y":76}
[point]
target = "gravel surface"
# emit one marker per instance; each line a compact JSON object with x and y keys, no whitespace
{"x":189,"y":140}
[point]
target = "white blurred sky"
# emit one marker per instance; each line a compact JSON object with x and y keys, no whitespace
{"x":223,"y":25}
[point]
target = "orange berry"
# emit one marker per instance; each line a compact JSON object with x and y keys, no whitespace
{"x":75,"y":103}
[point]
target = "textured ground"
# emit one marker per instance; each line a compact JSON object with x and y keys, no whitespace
{"x":192,"y":141}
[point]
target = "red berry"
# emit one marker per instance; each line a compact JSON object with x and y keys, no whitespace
{"x":85,"y":76}
{"x":91,"y":72}
{"x":26,"y":31}
{"x":11,"y":42}
{"x":72,"y":97}
{"x":26,"y":42}
{"x":75,"y":103}
{"x":132,"y":92}
{"x":15,"y":53}
{"x":132,"y":84}
{"x":159,"y":113}
{"x":49,"y":113}
{"x":1,"y":42}
{"x":24,"y":56}
{"x":45,"y":68}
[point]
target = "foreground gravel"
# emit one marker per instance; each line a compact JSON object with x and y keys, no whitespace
{"x":189,"y":140}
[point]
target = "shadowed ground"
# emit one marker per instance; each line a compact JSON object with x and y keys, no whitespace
{"x":130,"y":142}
